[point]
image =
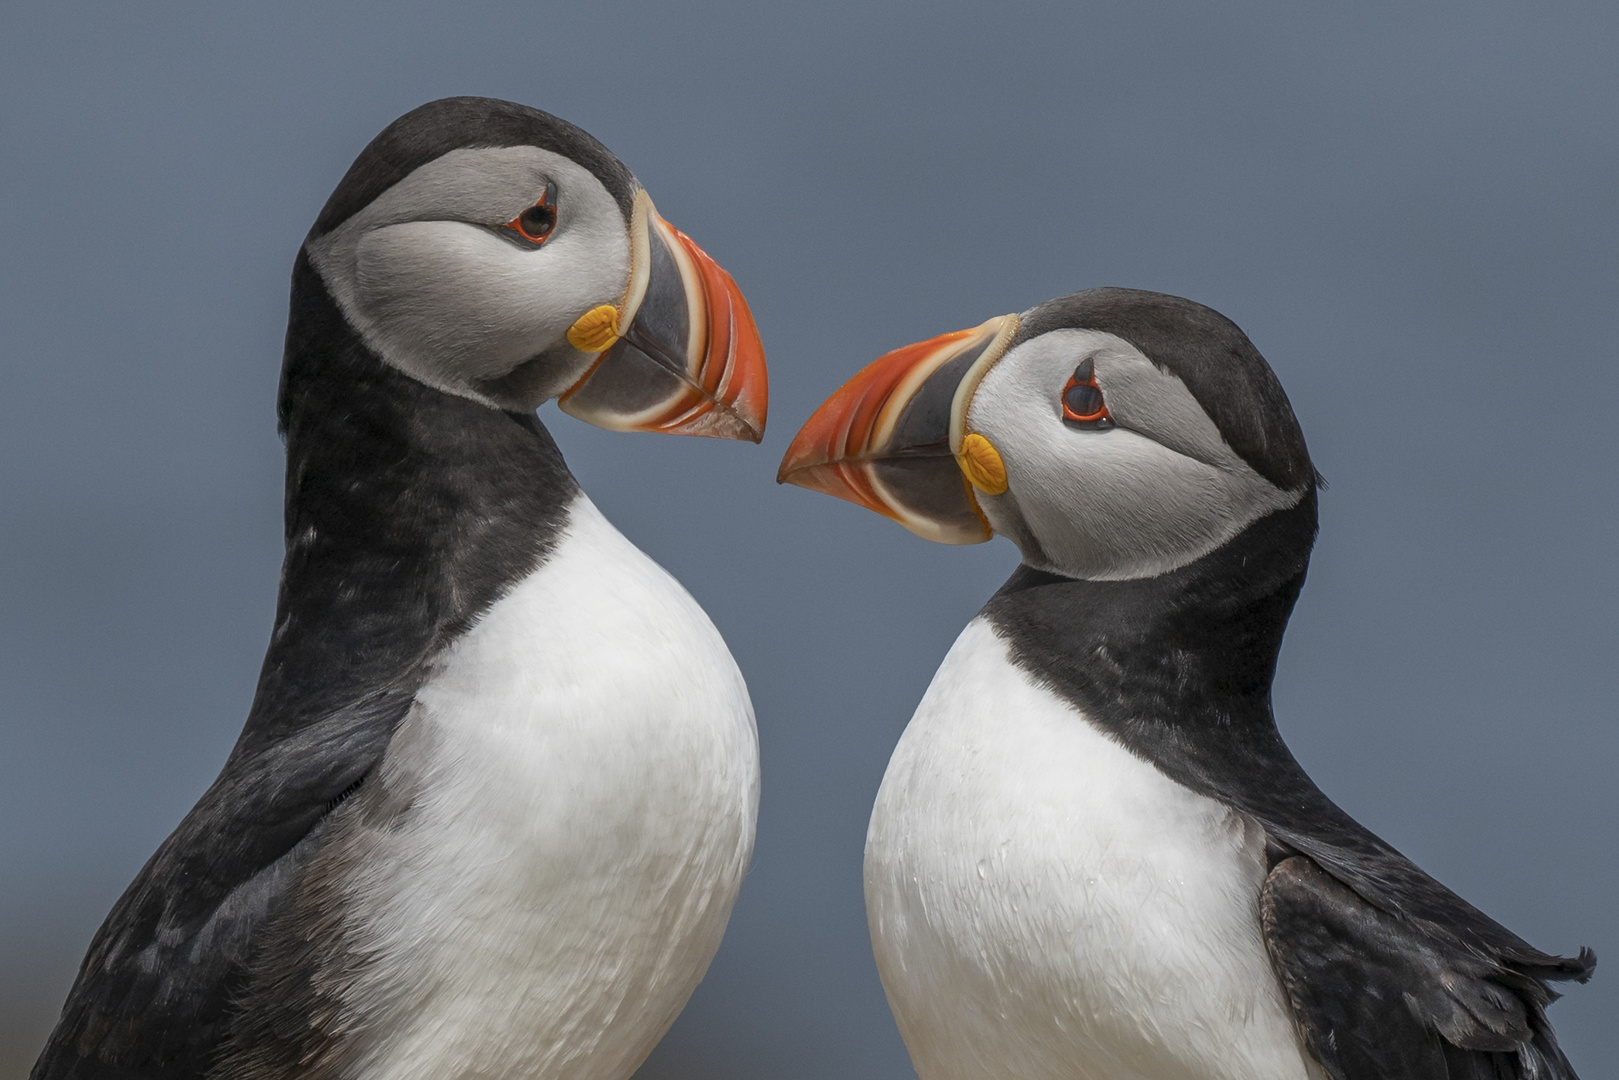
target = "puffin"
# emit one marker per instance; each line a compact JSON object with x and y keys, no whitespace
{"x":496,"y":790}
{"x":1092,"y":855}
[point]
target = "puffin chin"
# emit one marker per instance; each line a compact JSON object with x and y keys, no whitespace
{"x":681,"y":355}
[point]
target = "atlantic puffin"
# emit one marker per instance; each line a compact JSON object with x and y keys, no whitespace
{"x":496,"y":790}
{"x":1092,"y":857}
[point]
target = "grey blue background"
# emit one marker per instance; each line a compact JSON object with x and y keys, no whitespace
{"x":1413,"y":209}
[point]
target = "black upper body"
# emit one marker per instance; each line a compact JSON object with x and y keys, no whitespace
{"x":477,"y":259}
{"x":408,"y":512}
{"x":1144,"y":458}
{"x":1391,"y":976}
{"x":399,"y":534}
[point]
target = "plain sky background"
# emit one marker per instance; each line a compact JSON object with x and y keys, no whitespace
{"x":1412,"y":209}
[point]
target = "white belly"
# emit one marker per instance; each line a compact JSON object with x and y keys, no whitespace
{"x":1046,"y":906}
{"x":582,"y":778}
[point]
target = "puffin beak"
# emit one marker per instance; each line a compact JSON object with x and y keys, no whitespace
{"x":893,"y":438}
{"x":681,"y":354}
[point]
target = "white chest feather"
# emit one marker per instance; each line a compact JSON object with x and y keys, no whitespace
{"x":577,"y":787}
{"x":1046,"y":906}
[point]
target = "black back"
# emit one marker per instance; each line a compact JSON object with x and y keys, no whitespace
{"x":457,"y":123}
{"x":408,"y":513}
{"x":1178,"y":669}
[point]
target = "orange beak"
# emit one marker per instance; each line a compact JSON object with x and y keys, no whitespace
{"x":888,"y":438}
{"x":684,"y":357}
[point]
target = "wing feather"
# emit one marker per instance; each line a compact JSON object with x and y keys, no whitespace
{"x":408,"y":513}
{"x":1378,"y":997}
{"x":153,"y":994}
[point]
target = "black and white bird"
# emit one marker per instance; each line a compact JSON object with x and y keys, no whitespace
{"x":496,"y":792}
{"x":1092,"y":856}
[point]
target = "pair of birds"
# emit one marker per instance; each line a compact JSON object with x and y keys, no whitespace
{"x":496,"y":792}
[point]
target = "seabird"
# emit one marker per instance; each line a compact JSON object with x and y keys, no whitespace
{"x":496,"y":791}
{"x":1092,"y":856}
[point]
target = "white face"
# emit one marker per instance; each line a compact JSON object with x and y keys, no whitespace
{"x":431,"y":283}
{"x":1155,"y":491}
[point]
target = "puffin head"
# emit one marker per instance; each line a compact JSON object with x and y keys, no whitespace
{"x":496,"y":252}
{"x":1110,"y":434}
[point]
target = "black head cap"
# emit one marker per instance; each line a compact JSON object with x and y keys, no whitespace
{"x":1207,"y":352}
{"x":456,"y":123}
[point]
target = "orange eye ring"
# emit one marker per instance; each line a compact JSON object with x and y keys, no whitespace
{"x":1082,"y":399}
{"x":535,"y":223}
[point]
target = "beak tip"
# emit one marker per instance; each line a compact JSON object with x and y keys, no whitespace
{"x":802,"y":454}
{"x":744,"y":421}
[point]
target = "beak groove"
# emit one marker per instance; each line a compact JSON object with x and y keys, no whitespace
{"x":888,"y":438}
{"x":686,"y":359}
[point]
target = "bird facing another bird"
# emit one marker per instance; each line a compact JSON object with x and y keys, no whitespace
{"x":1092,"y":856}
{"x":496,"y":791}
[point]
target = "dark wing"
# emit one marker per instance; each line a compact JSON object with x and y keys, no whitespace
{"x":1378,"y":999}
{"x":1391,"y":975}
{"x":153,"y":996}
{"x":1178,"y":668}
{"x":408,"y":513}
{"x":399,"y":535}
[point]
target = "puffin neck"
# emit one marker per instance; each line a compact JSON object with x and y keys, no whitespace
{"x":408,"y":513}
{"x":1152,"y":659}
{"x":1178,"y":669}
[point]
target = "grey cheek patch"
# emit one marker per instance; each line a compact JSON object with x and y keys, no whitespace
{"x":1156,"y":491}
{"x":477,"y":315}
{"x":1006,"y":518}
{"x":538,"y":379}
{"x":1158,"y":405}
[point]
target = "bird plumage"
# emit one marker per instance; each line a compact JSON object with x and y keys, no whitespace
{"x":1045,"y":905}
{"x":496,"y":790}
{"x":1093,"y":855}
{"x":1178,"y":669}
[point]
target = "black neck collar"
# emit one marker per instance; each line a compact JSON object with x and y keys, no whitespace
{"x":408,"y":512}
{"x":1178,"y":669}
{"x":1155,"y":658}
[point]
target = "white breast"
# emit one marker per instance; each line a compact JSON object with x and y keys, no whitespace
{"x":1046,"y":906}
{"x":576,"y":790}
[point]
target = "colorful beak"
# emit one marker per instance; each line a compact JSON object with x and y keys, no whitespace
{"x":681,"y":354}
{"x":890,"y":438}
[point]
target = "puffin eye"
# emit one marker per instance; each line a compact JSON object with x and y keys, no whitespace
{"x":1082,"y":404}
{"x":536,"y":223}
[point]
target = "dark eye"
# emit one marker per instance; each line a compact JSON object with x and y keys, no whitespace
{"x":1082,"y":401}
{"x":1082,"y":404}
{"x":536,"y":223}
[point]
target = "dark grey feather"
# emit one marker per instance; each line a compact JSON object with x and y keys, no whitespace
{"x":1208,"y":353}
{"x":408,"y":513}
{"x":1402,"y":976}
{"x":430,"y":131}
{"x":1178,"y":668}
{"x":1378,"y":999}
